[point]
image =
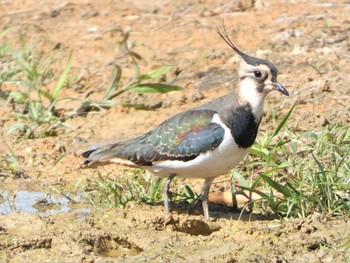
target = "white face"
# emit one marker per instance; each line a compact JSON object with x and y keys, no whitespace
{"x":255,"y":83}
{"x":261,"y":75}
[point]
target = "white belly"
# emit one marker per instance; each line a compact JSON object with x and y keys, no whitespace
{"x":210,"y":164}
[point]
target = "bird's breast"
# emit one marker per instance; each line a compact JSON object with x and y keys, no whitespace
{"x":243,"y":125}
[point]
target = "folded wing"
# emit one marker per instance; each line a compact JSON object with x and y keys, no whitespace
{"x":183,"y":137}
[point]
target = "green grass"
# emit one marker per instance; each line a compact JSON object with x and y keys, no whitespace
{"x":142,"y":83}
{"x":114,"y":89}
{"x":134,"y":185}
{"x":38,"y":91}
{"x":10,"y":165}
{"x":41,"y":118}
{"x":300,"y":174}
{"x":109,"y":192}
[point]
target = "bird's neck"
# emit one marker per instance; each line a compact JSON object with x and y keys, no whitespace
{"x":249,"y":94}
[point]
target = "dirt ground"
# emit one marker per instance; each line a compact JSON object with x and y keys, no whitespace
{"x":307,"y":40}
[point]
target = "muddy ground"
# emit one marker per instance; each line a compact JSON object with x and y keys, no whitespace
{"x":307,"y":40}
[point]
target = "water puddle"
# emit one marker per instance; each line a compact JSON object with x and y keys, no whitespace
{"x":40,"y":203}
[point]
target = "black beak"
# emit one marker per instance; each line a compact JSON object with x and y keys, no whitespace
{"x":280,"y":88}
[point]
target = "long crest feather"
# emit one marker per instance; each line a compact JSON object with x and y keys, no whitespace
{"x":248,"y":59}
{"x":223,"y":34}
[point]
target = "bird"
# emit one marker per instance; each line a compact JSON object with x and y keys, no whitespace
{"x":203,"y":142}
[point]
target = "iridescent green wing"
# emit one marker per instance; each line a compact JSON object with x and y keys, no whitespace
{"x":182,"y":137}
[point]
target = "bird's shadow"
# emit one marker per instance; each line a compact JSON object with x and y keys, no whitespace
{"x":218,"y":211}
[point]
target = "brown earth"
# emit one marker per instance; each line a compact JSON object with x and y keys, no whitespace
{"x":307,"y":40}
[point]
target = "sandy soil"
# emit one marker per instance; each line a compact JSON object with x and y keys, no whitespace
{"x":307,"y":40}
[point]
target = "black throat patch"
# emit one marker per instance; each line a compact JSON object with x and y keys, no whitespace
{"x":243,"y":125}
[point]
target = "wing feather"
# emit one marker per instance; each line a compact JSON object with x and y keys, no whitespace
{"x":183,"y":137}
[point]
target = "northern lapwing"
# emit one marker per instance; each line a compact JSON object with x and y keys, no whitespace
{"x":203,"y":142}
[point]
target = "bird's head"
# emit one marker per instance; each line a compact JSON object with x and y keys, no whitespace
{"x":257,"y":76}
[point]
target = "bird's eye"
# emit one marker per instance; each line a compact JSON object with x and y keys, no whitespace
{"x":257,"y":74}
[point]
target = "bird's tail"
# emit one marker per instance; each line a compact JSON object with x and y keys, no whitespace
{"x":101,"y":155}
{"x":86,"y":155}
{"x":112,"y":153}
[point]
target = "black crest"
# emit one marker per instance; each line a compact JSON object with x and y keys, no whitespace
{"x":248,"y":59}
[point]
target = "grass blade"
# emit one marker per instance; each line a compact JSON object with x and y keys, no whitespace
{"x":155,"y":73}
{"x":153,"y":88}
{"x":61,"y":80}
{"x":282,"y":123}
{"x":275,"y":185}
{"x":114,"y":83}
